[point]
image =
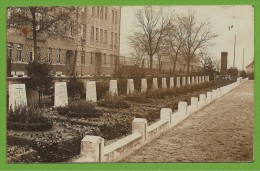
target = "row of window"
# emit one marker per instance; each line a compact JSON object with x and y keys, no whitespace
{"x":101,"y":37}
{"x":20,"y":53}
{"x":105,"y":61}
{"x":102,"y":13}
{"x":50,"y":55}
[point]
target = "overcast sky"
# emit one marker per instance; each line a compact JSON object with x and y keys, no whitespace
{"x":241,"y":17}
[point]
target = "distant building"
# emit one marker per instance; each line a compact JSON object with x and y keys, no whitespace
{"x":250,"y":67}
{"x":224,"y":70}
{"x":91,"y":35}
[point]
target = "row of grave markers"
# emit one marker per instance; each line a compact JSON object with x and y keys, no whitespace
{"x":17,"y":92}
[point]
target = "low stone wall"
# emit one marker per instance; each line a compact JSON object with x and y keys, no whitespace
{"x":92,"y":147}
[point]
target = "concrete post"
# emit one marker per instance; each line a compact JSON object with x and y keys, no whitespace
{"x":202,"y":101}
{"x":166,"y":114}
{"x":92,"y":149}
{"x":209,"y":97}
{"x":130,"y":86}
{"x":140,"y":125}
{"x":182,"y":108}
{"x":113,"y":87}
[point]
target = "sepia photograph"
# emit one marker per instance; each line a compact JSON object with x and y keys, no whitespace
{"x":130,"y":84}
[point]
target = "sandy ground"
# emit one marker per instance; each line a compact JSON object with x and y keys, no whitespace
{"x":220,"y":132}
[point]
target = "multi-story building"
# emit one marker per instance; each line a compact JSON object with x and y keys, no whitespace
{"x":85,"y":43}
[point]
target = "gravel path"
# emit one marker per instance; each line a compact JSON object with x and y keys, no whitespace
{"x":220,"y":132}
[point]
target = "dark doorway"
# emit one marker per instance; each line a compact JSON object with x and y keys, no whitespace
{"x":70,"y":62}
{"x":98,"y":63}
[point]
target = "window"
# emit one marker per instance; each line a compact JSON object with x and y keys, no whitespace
{"x":101,"y":35}
{"x":115,"y":40}
{"x":112,"y":38}
{"x":49,"y":60}
{"x":111,"y":60}
{"x":91,"y":58}
{"x":38,"y":19}
{"x":113,"y":15}
{"x":83,"y":57}
{"x":84,"y":33}
{"x":105,"y":36}
{"x":31,"y":57}
{"x":70,"y":29}
{"x":52,"y":27}
{"x":19,"y":52}
{"x":96,"y":34}
{"x":105,"y":13}
{"x":65,"y":28}
{"x":92,"y":34}
{"x":104,"y":59}
{"x":10,"y":50}
{"x":93,"y":12}
{"x":97,"y":11}
{"x":59,"y":56}
{"x":116,"y":17}
{"x":101,"y":12}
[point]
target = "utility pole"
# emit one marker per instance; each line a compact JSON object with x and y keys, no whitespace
{"x":234,"y":61}
{"x":243,"y":58}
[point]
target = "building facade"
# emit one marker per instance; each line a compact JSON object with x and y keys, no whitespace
{"x":85,"y":43}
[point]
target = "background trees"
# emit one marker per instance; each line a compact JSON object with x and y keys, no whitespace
{"x":34,"y":20}
{"x":172,"y":36}
{"x":151,"y":28}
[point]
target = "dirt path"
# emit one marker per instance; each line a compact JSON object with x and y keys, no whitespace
{"x":220,"y":132}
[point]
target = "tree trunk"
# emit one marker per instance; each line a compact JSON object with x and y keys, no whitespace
{"x":39,"y":98}
{"x":174,"y":67}
{"x":74,"y":63}
{"x":188,"y":65}
{"x":34,"y":31}
{"x":151,"y":62}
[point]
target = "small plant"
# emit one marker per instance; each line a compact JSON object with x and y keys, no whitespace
{"x":139,"y":97}
{"x":113,"y":101}
{"x":80,"y":109}
{"x":27,"y":118}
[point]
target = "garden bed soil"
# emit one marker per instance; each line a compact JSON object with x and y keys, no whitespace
{"x":55,"y":145}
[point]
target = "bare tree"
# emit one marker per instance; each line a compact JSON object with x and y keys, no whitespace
{"x":174,"y":42}
{"x":197,"y":35}
{"x":210,"y":64}
{"x":34,"y":19}
{"x":152,"y":26}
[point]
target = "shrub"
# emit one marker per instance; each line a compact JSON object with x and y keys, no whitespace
{"x":102,"y":87}
{"x":80,"y":109}
{"x":151,"y":115}
{"x":122,"y":85}
{"x":75,"y":86}
{"x":113,"y":101}
{"x":139,"y":97}
{"x":28,"y":118}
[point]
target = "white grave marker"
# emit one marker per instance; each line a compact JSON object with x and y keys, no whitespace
{"x":164,"y":85}
{"x":192,"y":80}
{"x":183,"y":81}
{"x":60,"y":94}
{"x":17,"y":95}
{"x":143,"y":84}
{"x":171,"y":82}
{"x":178,"y":82}
{"x":155,"y":83}
{"x":113,"y":87}
{"x":91,"y":92}
{"x":130,"y":86}
{"x":188,"y":80}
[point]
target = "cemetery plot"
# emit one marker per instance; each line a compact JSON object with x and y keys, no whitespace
{"x":72,"y":122}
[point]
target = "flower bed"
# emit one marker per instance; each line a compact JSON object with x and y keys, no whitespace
{"x":115,"y":102}
{"x":27,"y":118}
{"x":81,"y":109}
